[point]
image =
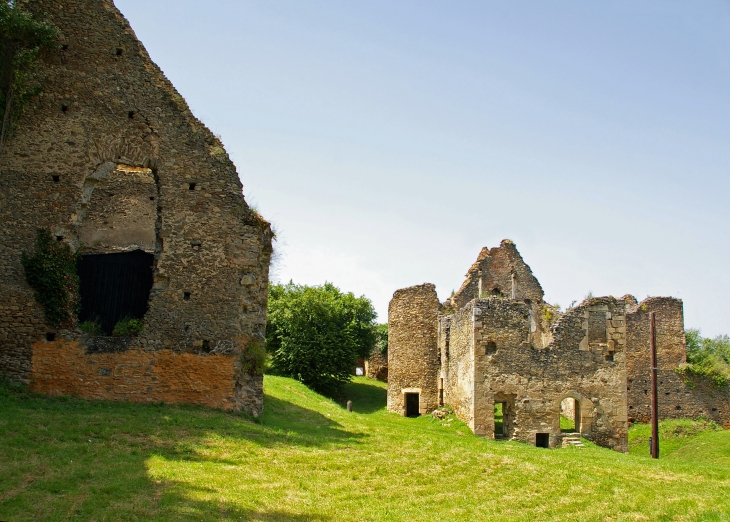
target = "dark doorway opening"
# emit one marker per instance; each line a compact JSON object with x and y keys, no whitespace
{"x":114,"y":287}
{"x":412,"y":406}
{"x":542,"y":440}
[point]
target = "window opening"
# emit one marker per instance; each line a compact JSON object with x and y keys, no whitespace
{"x":497,"y":292}
{"x":130,"y":115}
{"x":191,"y":186}
{"x":441,"y":391}
{"x":186,"y":296}
{"x":56,"y":179}
{"x":412,"y":405}
{"x":542,"y":440}
{"x":114,"y":287}
{"x":64,"y":108}
{"x":50,"y":337}
{"x":491,"y":348}
{"x":119,"y":51}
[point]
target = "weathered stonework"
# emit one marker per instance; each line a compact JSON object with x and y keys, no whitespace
{"x":376,"y":366}
{"x":110,"y":159}
{"x":496,"y":348}
{"x":413,"y":359}
{"x":679,"y":396}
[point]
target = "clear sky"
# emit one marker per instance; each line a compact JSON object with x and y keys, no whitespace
{"x":388,"y":141}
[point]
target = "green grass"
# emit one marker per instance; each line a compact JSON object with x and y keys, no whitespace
{"x":309,"y":459}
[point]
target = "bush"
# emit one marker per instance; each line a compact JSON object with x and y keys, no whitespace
{"x":91,"y":328}
{"x":254,"y":359}
{"x":315,"y":333}
{"x":127,"y":327}
{"x":707,"y":357}
{"x":51,"y":273}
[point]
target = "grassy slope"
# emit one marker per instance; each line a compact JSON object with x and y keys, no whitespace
{"x":309,"y":459}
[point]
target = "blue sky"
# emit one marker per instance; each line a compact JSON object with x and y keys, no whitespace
{"x":388,"y":141}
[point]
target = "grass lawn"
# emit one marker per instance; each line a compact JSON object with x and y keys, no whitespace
{"x":309,"y":459}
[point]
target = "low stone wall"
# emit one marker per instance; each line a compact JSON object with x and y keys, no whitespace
{"x":376,"y":366}
{"x":67,"y":368}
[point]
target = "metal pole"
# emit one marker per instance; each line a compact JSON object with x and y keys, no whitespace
{"x":654,"y":394}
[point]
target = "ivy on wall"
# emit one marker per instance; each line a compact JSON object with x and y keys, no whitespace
{"x":23,"y":37}
{"x":51,"y":273}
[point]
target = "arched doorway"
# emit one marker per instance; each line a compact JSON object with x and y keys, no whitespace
{"x":576,"y":414}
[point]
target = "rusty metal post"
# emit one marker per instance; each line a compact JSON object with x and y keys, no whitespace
{"x":654,"y":394}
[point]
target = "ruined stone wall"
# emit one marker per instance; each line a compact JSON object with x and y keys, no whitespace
{"x":532,"y":382}
{"x":498,"y":269}
{"x":376,"y":366}
{"x":110,"y":158}
{"x":679,"y":396}
{"x":457,"y":363}
{"x":413,"y":358}
{"x":502,"y":272}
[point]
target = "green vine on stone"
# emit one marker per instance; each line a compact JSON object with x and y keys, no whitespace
{"x":23,"y":37}
{"x":51,"y":272}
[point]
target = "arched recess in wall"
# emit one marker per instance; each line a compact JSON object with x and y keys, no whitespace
{"x":576,"y":414}
{"x":116,"y":230}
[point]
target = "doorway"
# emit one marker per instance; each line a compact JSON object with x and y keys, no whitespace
{"x":500,"y":409}
{"x":412,"y":405}
{"x":570,"y":415}
{"x":542,"y":440}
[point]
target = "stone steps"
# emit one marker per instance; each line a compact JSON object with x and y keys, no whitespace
{"x":572,"y":441}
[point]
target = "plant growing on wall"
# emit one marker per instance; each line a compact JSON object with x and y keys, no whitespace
{"x":23,"y":37}
{"x":51,"y":273}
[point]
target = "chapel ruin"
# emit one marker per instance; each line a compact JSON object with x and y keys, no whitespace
{"x":494,"y":354}
{"x":111,"y":161}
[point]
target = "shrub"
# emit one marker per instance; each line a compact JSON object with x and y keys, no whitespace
{"x":127,"y":327}
{"x":51,"y":273}
{"x":254,"y":359}
{"x":315,"y":333}
{"x":706,"y":357}
{"x":91,"y":328}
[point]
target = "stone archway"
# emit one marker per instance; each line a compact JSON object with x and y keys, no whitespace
{"x":579,"y":409}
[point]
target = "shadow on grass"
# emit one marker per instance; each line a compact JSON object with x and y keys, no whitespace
{"x":65,"y":458}
{"x":365,"y":397}
{"x":177,"y":504}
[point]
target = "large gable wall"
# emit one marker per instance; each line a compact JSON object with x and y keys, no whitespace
{"x":110,"y":159}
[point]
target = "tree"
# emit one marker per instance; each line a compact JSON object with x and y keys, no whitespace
{"x":381,"y":335}
{"x":315,"y":333}
{"x":708,"y":357}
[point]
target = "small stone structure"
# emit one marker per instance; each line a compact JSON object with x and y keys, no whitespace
{"x":376,"y":366}
{"x":493,"y":347}
{"x":110,"y":159}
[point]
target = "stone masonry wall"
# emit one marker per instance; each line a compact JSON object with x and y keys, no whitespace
{"x":376,"y":366}
{"x":457,"y":363}
{"x":110,"y":158}
{"x":532,"y":382}
{"x":679,"y":396}
{"x":502,"y":272}
{"x":413,"y":359}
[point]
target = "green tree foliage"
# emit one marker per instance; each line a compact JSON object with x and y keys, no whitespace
{"x":23,"y":36}
{"x":708,"y":357}
{"x":51,"y":272}
{"x":315,"y":333}
{"x":381,"y":337}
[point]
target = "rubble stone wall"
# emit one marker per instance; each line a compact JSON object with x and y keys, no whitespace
{"x":532,"y":382}
{"x":413,"y":358}
{"x":110,"y":158}
{"x":376,"y":366}
{"x":679,"y":396}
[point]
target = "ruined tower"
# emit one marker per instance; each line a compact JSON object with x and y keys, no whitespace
{"x":110,"y":160}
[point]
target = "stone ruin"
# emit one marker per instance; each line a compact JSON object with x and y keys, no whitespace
{"x":110,"y":160}
{"x":509,"y":366}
